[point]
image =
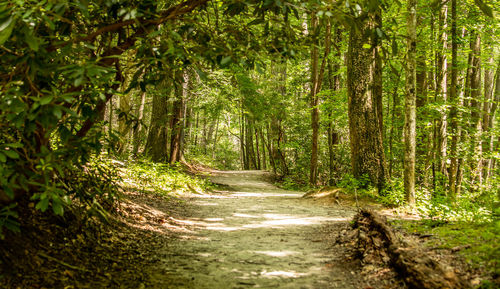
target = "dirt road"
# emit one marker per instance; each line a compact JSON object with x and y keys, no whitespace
{"x":256,"y":236}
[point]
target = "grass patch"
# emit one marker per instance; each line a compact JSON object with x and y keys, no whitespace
{"x":483,"y":239}
{"x":162,"y":179}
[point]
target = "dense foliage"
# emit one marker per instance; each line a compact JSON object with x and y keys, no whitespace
{"x":276,"y":85}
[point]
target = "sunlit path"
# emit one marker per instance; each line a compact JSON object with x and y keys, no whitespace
{"x":258,"y":236}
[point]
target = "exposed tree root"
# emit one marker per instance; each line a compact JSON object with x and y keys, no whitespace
{"x":377,"y":242}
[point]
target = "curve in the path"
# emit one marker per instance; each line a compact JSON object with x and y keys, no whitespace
{"x":255,"y":236}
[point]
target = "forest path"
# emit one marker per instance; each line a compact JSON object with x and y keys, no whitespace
{"x":256,"y":236}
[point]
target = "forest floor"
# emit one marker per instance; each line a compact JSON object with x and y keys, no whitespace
{"x":247,"y":234}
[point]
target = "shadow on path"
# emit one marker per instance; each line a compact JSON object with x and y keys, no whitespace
{"x":255,"y":236}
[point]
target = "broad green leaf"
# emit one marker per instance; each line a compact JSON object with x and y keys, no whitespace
{"x":226,"y":60}
{"x":8,"y":190}
{"x":32,"y":41}
{"x":3,"y":158}
{"x":42,"y":205}
{"x":12,"y":225}
{"x":11,"y":154}
{"x":6,"y":30}
{"x":78,"y":81}
{"x":14,"y":145}
{"x":57,"y":208}
{"x":46,"y":99}
{"x":57,"y":112}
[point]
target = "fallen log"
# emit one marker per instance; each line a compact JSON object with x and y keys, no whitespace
{"x":378,"y":241}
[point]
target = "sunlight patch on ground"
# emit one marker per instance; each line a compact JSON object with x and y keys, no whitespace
{"x":270,"y":221}
{"x":293,"y":221}
{"x":245,"y":216}
{"x":277,"y":253}
{"x":213,"y":219}
{"x":264,"y":195}
{"x":223,"y":229}
{"x":193,"y":237}
{"x":285,"y":274}
{"x":207,"y":204}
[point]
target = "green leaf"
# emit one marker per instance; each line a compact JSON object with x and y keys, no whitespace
{"x":14,"y":145}
{"x":57,"y":208}
{"x":13,"y":226}
{"x":32,"y":41}
{"x":3,"y":158}
{"x":9,"y":192}
{"x":11,"y":154}
{"x":78,"y":81}
{"x":485,"y":8}
{"x":57,"y":112}
{"x":226,"y":60}
{"x":367,"y":46}
{"x":256,"y":21}
{"x":6,"y":29}
{"x":46,"y":99}
{"x":201,"y":74}
{"x":42,"y":205}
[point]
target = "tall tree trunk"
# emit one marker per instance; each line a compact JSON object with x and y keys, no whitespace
{"x":263,"y":142}
{"x":492,"y":119}
{"x":334,"y":83}
{"x":367,"y":152}
{"x":462,"y":134}
{"x":123,"y":123}
{"x":442,"y":94}
{"x":422,"y":130}
{"x":489,"y":75}
{"x":249,"y":144}
{"x":314,"y":100}
{"x":177,"y":122}
{"x":452,"y":179}
{"x":257,"y":149}
{"x":410,"y":103}
{"x":475,"y":104}
{"x":195,"y":130}
{"x":316,"y":80}
{"x":138,"y":128}
{"x":215,"y":138}
{"x":395,"y":116}
{"x":378,"y":69}
{"x":156,"y":144}
{"x":270,"y":149}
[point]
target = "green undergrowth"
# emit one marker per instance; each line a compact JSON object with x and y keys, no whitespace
{"x":162,"y":179}
{"x":478,"y":243}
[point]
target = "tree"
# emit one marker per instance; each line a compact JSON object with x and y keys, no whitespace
{"x":316,"y":82}
{"x":367,"y":153}
{"x":157,"y":140}
{"x":410,"y":103}
{"x":454,"y":104}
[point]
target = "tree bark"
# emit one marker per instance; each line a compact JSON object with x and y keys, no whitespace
{"x":177,"y":122}
{"x":314,"y":100}
{"x":410,"y":104}
{"x":442,"y":94}
{"x":489,"y":75}
{"x":475,"y":105}
{"x":138,"y":128}
{"x":156,"y":144}
{"x":452,"y":179}
{"x":123,"y":122}
{"x":367,"y":152}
